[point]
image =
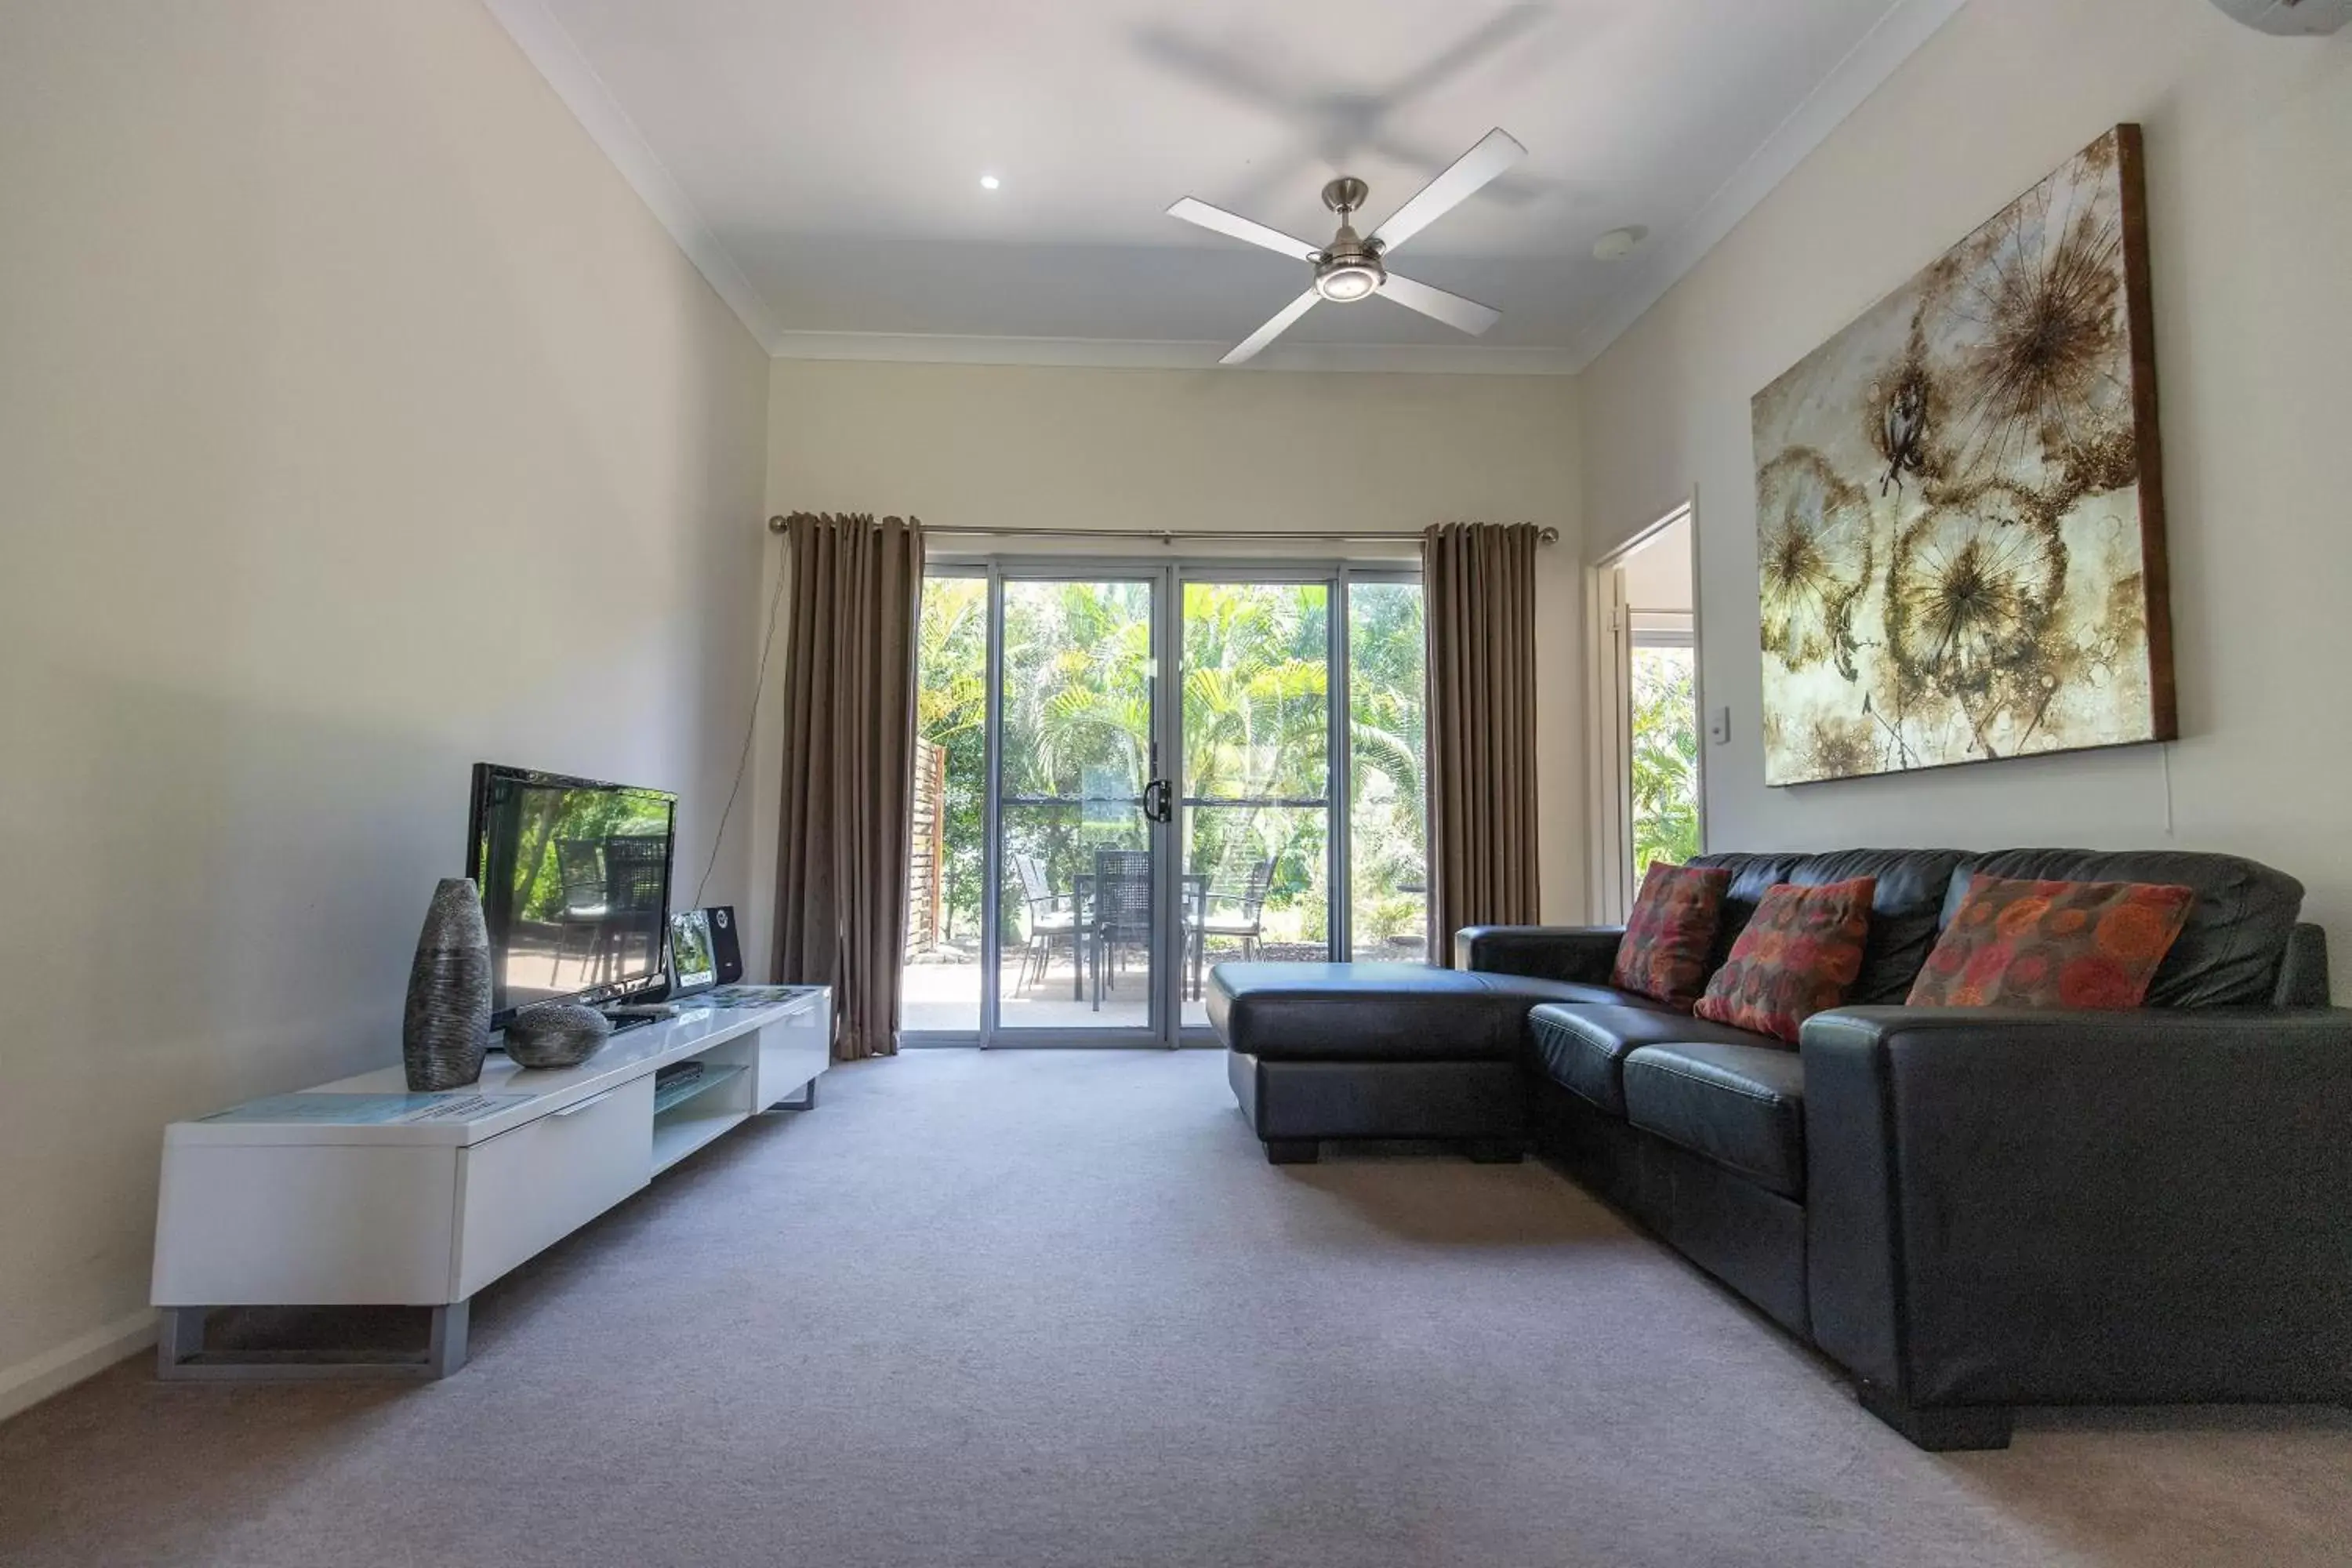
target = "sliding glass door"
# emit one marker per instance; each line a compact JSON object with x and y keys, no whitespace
{"x":1080,"y":810}
{"x":1256,"y":671}
{"x":1091,"y":838}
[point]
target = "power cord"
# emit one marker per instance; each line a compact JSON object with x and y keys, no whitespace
{"x":750,"y":726}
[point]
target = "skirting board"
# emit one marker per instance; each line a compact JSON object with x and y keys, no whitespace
{"x":29,"y":1383}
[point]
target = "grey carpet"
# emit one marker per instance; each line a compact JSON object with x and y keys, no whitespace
{"x":1054,"y":1308}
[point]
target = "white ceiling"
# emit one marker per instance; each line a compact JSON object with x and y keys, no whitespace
{"x":821,"y":161}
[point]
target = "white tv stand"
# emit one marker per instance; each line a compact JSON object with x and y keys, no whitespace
{"x":304,"y":1203}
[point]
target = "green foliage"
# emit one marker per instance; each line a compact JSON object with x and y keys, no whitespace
{"x":951,"y":710}
{"x":591,"y":815}
{"x":1076,"y":700}
{"x":1387,"y":736}
{"x":1666,"y":757}
{"x":1380,"y":919}
{"x":1256,"y":725}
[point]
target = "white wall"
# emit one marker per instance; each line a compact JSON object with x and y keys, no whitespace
{"x":356,"y":422}
{"x":1660,"y":574}
{"x":2249,"y":146}
{"x":978,"y":446}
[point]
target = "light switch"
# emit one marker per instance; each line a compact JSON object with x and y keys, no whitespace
{"x":1719,"y":726}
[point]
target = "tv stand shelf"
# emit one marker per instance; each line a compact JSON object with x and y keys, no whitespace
{"x":304,"y":1201}
{"x":679,"y":1093}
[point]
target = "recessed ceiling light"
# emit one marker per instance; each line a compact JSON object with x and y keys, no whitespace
{"x":990,"y":182}
{"x":1619,"y":243}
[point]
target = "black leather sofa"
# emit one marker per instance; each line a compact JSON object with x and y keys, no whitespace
{"x":1968,"y":1209}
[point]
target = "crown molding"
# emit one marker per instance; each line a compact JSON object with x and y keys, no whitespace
{"x":547,"y":46}
{"x":1894,"y":39}
{"x":1121,"y":354}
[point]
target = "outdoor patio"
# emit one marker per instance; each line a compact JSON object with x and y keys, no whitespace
{"x":947,"y":996}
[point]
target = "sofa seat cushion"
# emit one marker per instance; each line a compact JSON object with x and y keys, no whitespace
{"x":1583,"y":1046}
{"x":1376,"y":1012}
{"x":1742,"y":1106}
{"x":1577,"y":994}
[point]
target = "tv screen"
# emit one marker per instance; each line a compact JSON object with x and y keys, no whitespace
{"x":574,"y":877}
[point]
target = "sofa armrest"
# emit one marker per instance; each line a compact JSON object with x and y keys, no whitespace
{"x":2302,"y":969}
{"x":1584,"y":953}
{"x":2012,"y":1207}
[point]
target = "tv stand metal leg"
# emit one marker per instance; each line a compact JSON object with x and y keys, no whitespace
{"x":445,"y":1352}
{"x":179,"y":1339}
{"x":807,"y":1101}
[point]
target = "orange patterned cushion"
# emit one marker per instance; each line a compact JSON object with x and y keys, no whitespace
{"x":2053,"y":944}
{"x":1669,"y":934}
{"x":1797,"y":957}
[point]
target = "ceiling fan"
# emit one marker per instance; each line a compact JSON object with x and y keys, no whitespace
{"x":1351,"y":267}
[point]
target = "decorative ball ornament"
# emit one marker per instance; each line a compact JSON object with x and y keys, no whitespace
{"x":556,"y":1035}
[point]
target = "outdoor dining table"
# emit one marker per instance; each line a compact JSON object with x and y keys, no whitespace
{"x":1196,"y":898}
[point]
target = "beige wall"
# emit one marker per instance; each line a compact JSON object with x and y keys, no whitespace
{"x":2250,"y":192}
{"x":1015,"y":447}
{"x":356,"y":422}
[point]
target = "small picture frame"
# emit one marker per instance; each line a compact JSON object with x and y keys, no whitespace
{"x":692,"y":966}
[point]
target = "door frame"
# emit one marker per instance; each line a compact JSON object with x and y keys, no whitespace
{"x":1609,"y":664}
{"x":1165,"y":1026}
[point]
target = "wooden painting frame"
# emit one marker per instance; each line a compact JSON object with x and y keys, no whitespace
{"x":1960,"y":519}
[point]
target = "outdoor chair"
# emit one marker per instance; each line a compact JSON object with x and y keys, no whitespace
{"x":1243,"y":919}
{"x":1053,"y":917}
{"x":1122,"y":912}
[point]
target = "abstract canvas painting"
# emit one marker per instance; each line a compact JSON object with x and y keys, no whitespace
{"x":1959,"y":513}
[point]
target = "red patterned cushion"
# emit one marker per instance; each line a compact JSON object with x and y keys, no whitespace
{"x":2053,"y":944}
{"x":1669,"y":933}
{"x":1797,"y":957}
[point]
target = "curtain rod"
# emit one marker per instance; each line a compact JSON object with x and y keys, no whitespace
{"x":1170,"y":535}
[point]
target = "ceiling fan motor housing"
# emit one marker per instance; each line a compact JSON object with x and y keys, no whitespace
{"x":1350,"y":268}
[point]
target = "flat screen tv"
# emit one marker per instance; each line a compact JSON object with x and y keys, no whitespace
{"x":574,"y":877}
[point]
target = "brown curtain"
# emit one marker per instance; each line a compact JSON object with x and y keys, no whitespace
{"x":1480,"y":582}
{"x":849,"y":742}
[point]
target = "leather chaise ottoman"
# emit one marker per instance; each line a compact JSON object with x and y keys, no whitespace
{"x":1320,"y":1051}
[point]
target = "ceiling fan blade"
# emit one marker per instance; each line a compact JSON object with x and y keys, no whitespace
{"x":1240,"y":227}
{"x":1439,"y":306}
{"x":1247,"y":347}
{"x":1470,"y":172}
{"x":1485,"y":40}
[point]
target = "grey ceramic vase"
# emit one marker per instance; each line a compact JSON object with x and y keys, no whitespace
{"x":556,"y":1035}
{"x":445,"y":1030}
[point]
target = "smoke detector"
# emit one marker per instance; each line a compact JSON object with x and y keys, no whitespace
{"x":2290,"y":18}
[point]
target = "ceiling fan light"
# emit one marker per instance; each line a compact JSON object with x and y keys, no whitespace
{"x":1345,"y":281}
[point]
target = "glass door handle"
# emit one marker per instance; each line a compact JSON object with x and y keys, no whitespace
{"x":1156,"y":804}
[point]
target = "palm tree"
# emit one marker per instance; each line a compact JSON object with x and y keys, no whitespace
{"x":1256,"y":729}
{"x":1256,"y":693}
{"x":1664,"y":724}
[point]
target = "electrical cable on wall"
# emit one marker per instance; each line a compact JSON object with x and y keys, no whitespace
{"x":751,"y":727}
{"x":2165,"y":750}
